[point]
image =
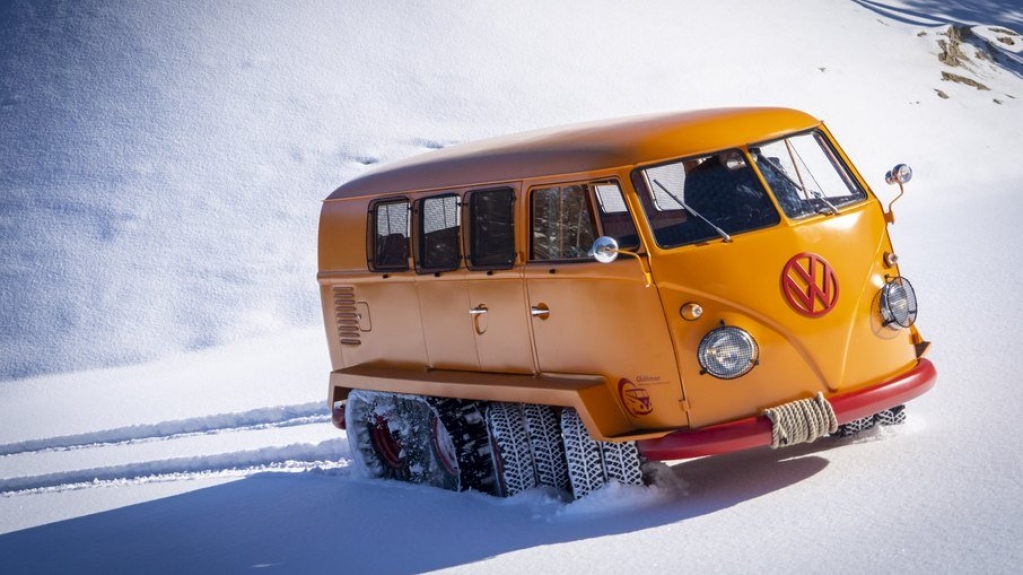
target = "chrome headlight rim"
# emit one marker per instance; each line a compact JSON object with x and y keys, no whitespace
{"x":898,"y":304}
{"x":728,"y":352}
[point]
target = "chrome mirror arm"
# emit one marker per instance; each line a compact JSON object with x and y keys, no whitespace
{"x":900,"y":175}
{"x":605,"y":250}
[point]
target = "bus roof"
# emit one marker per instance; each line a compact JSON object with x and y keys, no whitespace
{"x":578,"y":148}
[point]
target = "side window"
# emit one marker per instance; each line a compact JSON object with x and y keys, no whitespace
{"x":437,"y":236}
{"x":389,"y":235}
{"x":615,"y":220}
{"x":492,"y":229}
{"x":563,"y":226}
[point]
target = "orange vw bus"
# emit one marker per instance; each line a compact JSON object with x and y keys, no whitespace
{"x":557,"y":307}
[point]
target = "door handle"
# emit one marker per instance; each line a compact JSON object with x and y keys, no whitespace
{"x":478,"y":310}
{"x":541,"y":311}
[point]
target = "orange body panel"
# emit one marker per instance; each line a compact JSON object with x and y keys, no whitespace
{"x":595,"y":336}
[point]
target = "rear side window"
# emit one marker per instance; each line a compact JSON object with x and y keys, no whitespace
{"x":438,"y":234}
{"x":389,"y":235}
{"x":492,"y":229}
{"x":562,"y":223}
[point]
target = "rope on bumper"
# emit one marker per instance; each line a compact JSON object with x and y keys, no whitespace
{"x":802,"y":421}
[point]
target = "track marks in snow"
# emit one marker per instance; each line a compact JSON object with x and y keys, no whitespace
{"x":263,"y":418}
{"x":329,"y":456}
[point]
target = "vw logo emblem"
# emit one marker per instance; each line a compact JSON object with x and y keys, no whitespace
{"x":809,"y":285}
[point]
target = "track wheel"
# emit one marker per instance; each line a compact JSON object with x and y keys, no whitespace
{"x":462,"y":443}
{"x":400,"y":437}
{"x":513,"y":452}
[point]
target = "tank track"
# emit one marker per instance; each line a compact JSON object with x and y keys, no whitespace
{"x":468,"y":431}
{"x":416,"y":456}
{"x":548,"y":449}
{"x":593,"y":463}
{"x":513,"y":452}
{"x":500,"y":448}
{"x":893,"y":416}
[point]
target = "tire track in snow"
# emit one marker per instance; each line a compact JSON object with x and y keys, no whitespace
{"x":329,"y":456}
{"x":262,"y":418}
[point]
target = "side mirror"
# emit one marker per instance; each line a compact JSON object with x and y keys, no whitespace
{"x":900,"y":174}
{"x":605,"y":250}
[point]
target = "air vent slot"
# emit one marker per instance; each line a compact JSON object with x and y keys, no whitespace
{"x":346,"y":312}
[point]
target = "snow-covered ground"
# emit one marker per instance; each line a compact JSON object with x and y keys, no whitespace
{"x":163,"y":373}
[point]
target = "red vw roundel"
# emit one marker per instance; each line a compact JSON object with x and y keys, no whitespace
{"x":809,"y":285}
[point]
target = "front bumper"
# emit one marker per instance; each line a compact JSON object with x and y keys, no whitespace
{"x":756,"y":431}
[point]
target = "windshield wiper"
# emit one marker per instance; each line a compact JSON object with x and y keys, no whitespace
{"x":724,"y":236}
{"x":820,"y":196}
{"x":829,"y":210}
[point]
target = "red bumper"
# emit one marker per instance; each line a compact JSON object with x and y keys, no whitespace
{"x":756,"y":431}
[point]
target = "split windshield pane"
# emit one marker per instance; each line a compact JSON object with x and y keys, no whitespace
{"x":704,"y":198}
{"x":806,"y":175}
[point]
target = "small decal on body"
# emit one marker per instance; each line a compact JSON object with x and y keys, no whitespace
{"x":635,"y":399}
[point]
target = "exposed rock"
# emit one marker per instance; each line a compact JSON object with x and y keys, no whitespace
{"x":948,"y":77}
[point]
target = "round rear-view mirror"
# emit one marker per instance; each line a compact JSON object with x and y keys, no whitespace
{"x":900,"y":174}
{"x":604,"y":250}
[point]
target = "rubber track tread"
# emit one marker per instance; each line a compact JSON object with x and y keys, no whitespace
{"x":548,"y":449}
{"x":513,"y":451}
{"x":585,"y":462}
{"x":856,"y":426}
{"x":622,"y":462}
{"x":893,"y":416}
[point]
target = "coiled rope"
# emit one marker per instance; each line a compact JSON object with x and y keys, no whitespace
{"x":802,"y":421}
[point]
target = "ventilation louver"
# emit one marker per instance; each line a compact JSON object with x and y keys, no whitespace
{"x":347,"y":315}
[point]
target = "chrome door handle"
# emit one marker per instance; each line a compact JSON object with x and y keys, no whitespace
{"x":541,"y":311}
{"x":478,"y":310}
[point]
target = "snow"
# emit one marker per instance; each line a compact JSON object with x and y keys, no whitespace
{"x":163,"y":371}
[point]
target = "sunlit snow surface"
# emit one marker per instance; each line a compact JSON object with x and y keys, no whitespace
{"x":161,"y":167}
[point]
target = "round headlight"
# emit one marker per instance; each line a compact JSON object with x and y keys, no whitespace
{"x":728,"y":352}
{"x":898,"y":303}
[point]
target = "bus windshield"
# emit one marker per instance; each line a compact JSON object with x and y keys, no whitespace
{"x":695,"y":200}
{"x":806,"y":175}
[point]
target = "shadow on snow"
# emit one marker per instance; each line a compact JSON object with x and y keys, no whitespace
{"x":939,"y":12}
{"x":321,"y":523}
